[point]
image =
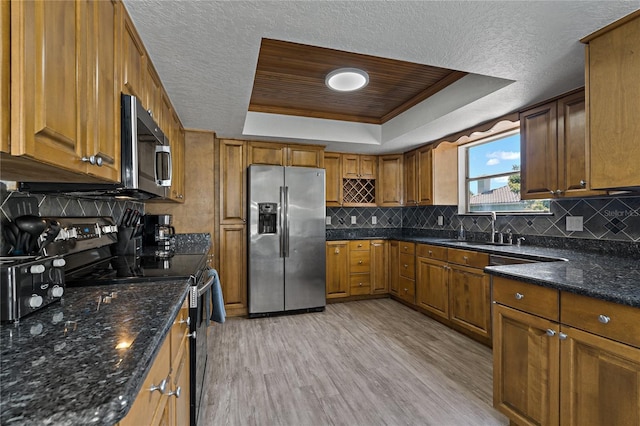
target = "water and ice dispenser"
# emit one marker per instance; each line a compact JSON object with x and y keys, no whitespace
{"x":267,"y":218}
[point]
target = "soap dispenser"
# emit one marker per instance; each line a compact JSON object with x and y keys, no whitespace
{"x":461,"y":233}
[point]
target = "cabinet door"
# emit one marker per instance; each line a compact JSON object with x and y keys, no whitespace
{"x":177,"y":158}
{"x":103,"y":88}
{"x":539,"y":152}
{"x":232,"y":181}
{"x":573,"y":147}
{"x":266,"y":153}
{"x":600,"y":381}
{"x":410,"y":179}
{"x":232,"y":268}
{"x":425,"y":176}
{"x":333,"y":177}
{"x":5,"y":72}
{"x":394,"y":263}
{"x":350,"y":166}
{"x":470,"y":300}
{"x":526,"y":362}
{"x":44,"y":88}
{"x":133,"y":57}
{"x":153,"y":92}
{"x":368,"y":166}
{"x":337,"y":269}
{"x":613,"y":66}
{"x":305,"y":156}
{"x":389,"y":185}
{"x":379,"y":269}
{"x":180,"y":404}
{"x":432,"y":286}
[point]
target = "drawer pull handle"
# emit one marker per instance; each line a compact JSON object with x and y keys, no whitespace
{"x":550,"y":332}
{"x":604,"y":319}
{"x":519,"y":296}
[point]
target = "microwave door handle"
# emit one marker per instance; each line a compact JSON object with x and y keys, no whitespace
{"x":161,"y":150}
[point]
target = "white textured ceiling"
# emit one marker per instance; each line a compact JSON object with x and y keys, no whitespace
{"x":206,"y":51}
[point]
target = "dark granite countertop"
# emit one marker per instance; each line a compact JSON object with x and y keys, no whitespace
{"x":603,"y":276}
{"x":61,"y":366}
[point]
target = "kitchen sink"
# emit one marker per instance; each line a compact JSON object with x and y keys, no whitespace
{"x":477,"y":243}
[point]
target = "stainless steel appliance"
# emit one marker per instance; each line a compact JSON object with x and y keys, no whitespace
{"x":286,"y":259}
{"x":89,"y":247}
{"x":29,"y":283}
{"x":158,"y":230}
{"x":145,"y":160}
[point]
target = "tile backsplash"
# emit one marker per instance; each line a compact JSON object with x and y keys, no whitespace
{"x":610,"y":218}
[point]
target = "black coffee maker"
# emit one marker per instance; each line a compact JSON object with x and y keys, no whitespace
{"x":158,"y":231}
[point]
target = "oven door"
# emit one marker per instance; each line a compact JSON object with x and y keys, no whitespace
{"x":200,"y":313}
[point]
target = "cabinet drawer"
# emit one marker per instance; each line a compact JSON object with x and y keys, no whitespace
{"x":432,"y":252}
{"x":530,"y":298}
{"x":359,"y":245}
{"x":407,"y":290}
{"x":360,"y":284}
{"x":359,"y":261}
{"x":407,"y":266}
{"x":408,"y":248}
{"x":475,"y":259}
{"x":607,"y":319}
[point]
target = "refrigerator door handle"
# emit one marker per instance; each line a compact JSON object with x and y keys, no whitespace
{"x":282,"y":221}
{"x":286,"y":221}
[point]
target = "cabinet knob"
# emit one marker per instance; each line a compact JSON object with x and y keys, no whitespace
{"x":562,"y":336}
{"x":161,"y":387}
{"x":466,"y":259}
{"x":430,"y":253}
{"x":360,"y":284}
{"x":187,"y":321}
{"x":583,"y":183}
{"x":604,"y":319}
{"x":550,"y":332}
{"x":175,"y":393}
{"x":94,"y":160}
{"x":406,"y":290}
{"x":359,"y":245}
{"x":559,"y":191}
{"x":519,"y":296}
{"x":553,"y":192}
{"x":406,"y":266}
{"x":337,"y":251}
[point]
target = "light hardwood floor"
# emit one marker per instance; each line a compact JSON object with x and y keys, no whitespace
{"x":372,"y":362}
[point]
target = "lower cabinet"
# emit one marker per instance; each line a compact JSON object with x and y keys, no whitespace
{"x":164,"y":396}
{"x":379,"y":250}
{"x":356,"y":268}
{"x":359,"y":268}
{"x":407,"y":272}
{"x":564,"y":359}
{"x":394,"y":263}
{"x":337,"y":279}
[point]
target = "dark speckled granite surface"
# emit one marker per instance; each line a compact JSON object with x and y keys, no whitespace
{"x":60,"y":365}
{"x":611,"y":273}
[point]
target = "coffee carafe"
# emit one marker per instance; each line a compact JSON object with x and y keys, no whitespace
{"x":158,"y":230}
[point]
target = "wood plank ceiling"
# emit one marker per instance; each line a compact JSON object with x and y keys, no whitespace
{"x":290,"y":77}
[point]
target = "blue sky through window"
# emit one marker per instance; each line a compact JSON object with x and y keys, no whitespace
{"x":493,"y":158}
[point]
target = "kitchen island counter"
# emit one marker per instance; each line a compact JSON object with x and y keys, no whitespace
{"x":83,"y":360}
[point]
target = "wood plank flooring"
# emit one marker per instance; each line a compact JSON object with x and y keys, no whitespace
{"x":373,"y":362}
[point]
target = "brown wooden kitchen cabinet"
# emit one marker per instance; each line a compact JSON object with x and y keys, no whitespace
{"x":232,"y":268}
{"x":356,"y":166}
{"x":177,"y":143}
{"x":562,"y":358}
{"x":337,"y":255}
{"x":407,"y":272}
{"x":133,"y":60}
{"x":432,"y":280}
{"x":379,"y":269}
{"x":394,"y":263}
{"x":359,"y":268}
{"x":613,"y":96}
{"x":333,"y":178}
{"x":555,"y":150}
{"x":390,"y":182}
{"x":279,"y":154}
{"x":430,"y":175}
{"x":76,"y":61}
{"x":5,"y":73}
{"x":232,"y":181}
{"x":171,"y":366}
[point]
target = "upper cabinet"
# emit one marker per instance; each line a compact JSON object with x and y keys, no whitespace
{"x":63,"y":58}
{"x":389,"y":185}
{"x":431,"y":175}
{"x":554,"y":149}
{"x":359,"y":166}
{"x":333,"y":178}
{"x":5,"y":72}
{"x":613,"y":96}
{"x":279,"y":154}
{"x":133,"y":60}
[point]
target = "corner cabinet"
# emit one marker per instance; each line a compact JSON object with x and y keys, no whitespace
{"x":554,"y":149}
{"x":64,"y":104}
{"x":613,"y":96}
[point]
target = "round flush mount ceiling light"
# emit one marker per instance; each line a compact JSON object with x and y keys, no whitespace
{"x":347,"y":79}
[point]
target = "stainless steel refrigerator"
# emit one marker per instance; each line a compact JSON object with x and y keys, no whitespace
{"x":286,"y":239}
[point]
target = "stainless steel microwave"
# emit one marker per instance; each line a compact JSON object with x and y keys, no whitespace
{"x":145,"y":154}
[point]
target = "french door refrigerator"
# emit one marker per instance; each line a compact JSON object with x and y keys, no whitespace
{"x":286,"y":239}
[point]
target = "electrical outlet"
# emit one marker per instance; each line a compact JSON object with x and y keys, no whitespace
{"x":353,"y":220}
{"x":327,"y":220}
{"x":440,"y":220}
{"x":374,"y":220}
{"x":574,"y":223}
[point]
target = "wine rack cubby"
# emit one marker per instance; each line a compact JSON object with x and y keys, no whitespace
{"x":358,"y":191}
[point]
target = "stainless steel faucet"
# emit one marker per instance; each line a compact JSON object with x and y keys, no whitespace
{"x":493,"y":227}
